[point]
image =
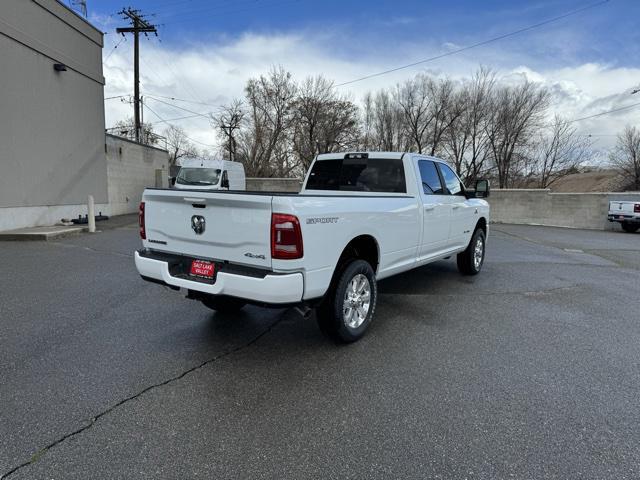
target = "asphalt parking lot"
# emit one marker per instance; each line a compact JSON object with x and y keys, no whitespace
{"x":529,"y":370}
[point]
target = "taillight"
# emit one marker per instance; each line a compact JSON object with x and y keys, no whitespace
{"x":143,"y":233}
{"x":636,"y":208}
{"x":286,"y":237}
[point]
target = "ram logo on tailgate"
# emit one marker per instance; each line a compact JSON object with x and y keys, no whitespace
{"x":198,"y":224}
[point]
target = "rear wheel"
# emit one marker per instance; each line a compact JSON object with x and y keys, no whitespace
{"x":470,"y":261}
{"x":221,"y":303}
{"x":630,"y":227}
{"x":347,"y":310}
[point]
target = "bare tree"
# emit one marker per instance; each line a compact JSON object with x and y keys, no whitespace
{"x":323,"y":120}
{"x":516,"y":113}
{"x":229,"y":119}
{"x":367,"y":130}
{"x":414,"y":100}
{"x":625,"y":157}
{"x":126,"y":129}
{"x":178,"y":144}
{"x":264,"y":146}
{"x":558,"y":152}
{"x":466,"y":141}
{"x":444,"y":111}
{"x":387,"y":128}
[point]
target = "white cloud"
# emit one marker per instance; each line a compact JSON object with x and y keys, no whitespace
{"x":216,"y":72}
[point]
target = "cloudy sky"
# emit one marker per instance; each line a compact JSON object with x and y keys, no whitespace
{"x":207,"y":49}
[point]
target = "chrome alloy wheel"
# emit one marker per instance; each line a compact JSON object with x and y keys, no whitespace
{"x":478,"y":252}
{"x":357,"y":301}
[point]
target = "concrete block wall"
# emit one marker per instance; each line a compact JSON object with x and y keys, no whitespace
{"x":541,"y":207}
{"x":274,"y":184}
{"x":130,"y":168}
{"x":518,"y":206}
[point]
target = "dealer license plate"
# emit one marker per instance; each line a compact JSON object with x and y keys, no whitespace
{"x":202,"y":268}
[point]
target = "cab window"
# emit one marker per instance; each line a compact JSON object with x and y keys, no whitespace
{"x":431,"y":184}
{"x":453,"y":185}
{"x":358,"y":175}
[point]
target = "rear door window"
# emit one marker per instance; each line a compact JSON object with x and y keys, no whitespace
{"x":358,"y":175}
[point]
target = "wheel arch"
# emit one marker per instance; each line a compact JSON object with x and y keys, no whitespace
{"x":482,"y":224}
{"x":364,"y":247}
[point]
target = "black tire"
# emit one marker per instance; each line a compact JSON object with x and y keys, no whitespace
{"x":348,"y":324}
{"x":221,"y":303}
{"x":630,"y":227}
{"x":468,"y":262}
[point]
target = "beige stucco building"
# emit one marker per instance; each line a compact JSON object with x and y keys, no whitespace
{"x":53,"y":151}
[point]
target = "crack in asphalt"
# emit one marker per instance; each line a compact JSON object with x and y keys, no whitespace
{"x":43,"y":451}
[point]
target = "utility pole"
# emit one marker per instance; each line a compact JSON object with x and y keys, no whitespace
{"x":234,"y":124}
{"x":138,"y":25}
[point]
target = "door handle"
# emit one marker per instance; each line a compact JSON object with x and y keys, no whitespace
{"x":428,"y":208}
{"x":455,"y":207}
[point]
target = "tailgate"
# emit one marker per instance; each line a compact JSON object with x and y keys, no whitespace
{"x":621,"y":208}
{"x":236,"y":226}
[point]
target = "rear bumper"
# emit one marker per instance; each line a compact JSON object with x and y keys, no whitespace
{"x":274,"y":289}
{"x":624,"y":218}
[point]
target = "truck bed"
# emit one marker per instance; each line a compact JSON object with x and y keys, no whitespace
{"x":238,"y":228}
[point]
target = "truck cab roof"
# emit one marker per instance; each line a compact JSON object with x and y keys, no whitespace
{"x":367,"y":154}
{"x":375,"y":155}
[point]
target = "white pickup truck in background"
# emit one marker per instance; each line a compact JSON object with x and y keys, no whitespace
{"x":627,"y":214}
{"x":360,"y":217}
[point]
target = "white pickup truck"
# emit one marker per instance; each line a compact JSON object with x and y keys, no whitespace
{"x":625,"y":213}
{"x":360,"y":217}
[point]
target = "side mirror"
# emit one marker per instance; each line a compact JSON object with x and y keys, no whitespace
{"x":172,"y":181}
{"x":225,"y":183}
{"x":483,"y":188}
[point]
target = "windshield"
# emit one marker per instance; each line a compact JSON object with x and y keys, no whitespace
{"x":198,"y":176}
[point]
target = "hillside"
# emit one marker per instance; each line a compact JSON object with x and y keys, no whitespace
{"x":588,"y":181}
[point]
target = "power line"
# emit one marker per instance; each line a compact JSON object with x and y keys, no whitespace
{"x":160,"y":78}
{"x":604,"y":113}
{"x":186,"y":85}
{"x":475,"y":45}
{"x":182,"y":100}
{"x":167,"y":122}
{"x":114,"y":49}
{"x":199,"y":115}
{"x":177,"y":106}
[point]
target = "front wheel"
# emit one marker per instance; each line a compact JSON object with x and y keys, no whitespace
{"x":630,"y":227}
{"x":347,"y":311}
{"x":470,"y":261}
{"x":221,"y":303}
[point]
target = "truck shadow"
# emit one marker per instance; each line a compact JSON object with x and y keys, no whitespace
{"x":434,"y":278}
{"x":289,"y":328}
